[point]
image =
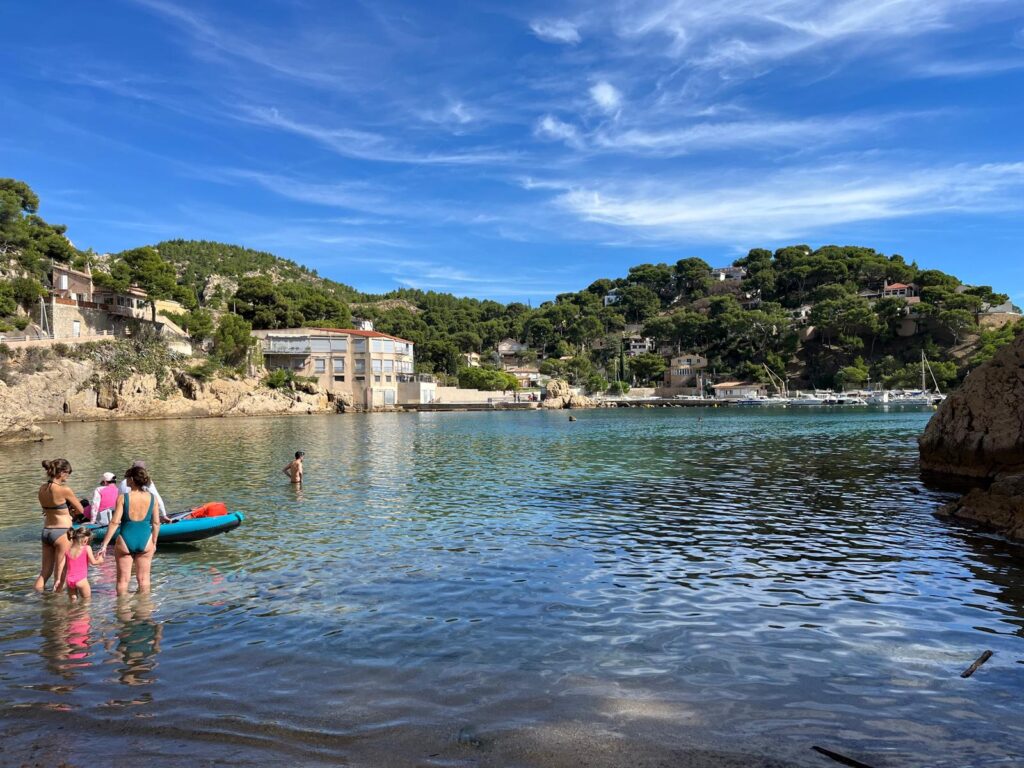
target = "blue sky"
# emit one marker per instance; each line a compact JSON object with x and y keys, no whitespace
{"x":517,"y":150}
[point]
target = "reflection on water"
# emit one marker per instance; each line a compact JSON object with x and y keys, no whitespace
{"x":495,"y":589}
{"x":138,"y":640}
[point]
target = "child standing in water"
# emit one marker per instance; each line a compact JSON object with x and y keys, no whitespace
{"x":294,"y":468}
{"x":77,"y":561}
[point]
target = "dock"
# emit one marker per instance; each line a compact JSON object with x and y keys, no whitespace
{"x":448,"y":407}
{"x":664,"y":402}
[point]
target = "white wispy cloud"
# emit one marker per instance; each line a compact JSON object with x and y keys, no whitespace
{"x":366,"y":145}
{"x":792,"y":203}
{"x":556,"y":30}
{"x":266,"y":54}
{"x":969,"y":68}
{"x":355,"y":196}
{"x":730,"y":34}
{"x":749,"y":133}
{"x":606,"y":96}
{"x":551,"y":127}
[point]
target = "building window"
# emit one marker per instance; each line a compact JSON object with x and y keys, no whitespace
{"x":358,"y":345}
{"x":387,"y":379}
{"x":376,"y":366}
{"x":376,"y":379}
{"x":360,"y":366}
{"x":63,"y":282}
{"x":360,"y":378}
{"x":319,"y":365}
{"x":389,"y":366}
{"x":339,"y":364}
{"x":339,"y":378}
{"x":389,"y":397}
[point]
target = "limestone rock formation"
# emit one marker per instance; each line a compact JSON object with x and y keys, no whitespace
{"x":74,"y":390}
{"x":978,"y":432}
{"x":1000,"y":506}
{"x":977,"y":435}
{"x":559,"y":395}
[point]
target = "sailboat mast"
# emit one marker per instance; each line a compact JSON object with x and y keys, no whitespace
{"x":923,"y":387}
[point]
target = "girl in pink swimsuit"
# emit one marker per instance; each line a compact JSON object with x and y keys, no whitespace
{"x":77,"y":562}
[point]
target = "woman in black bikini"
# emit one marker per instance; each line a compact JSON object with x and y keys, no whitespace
{"x":57,"y":501}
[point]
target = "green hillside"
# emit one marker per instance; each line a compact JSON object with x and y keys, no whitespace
{"x":815,"y":315}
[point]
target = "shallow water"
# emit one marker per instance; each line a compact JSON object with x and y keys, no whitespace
{"x":635,"y":588}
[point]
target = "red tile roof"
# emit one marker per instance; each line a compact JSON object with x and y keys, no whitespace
{"x":896,"y":286}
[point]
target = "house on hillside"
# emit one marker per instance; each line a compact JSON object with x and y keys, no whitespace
{"x":636,"y":344}
{"x":723,"y":274}
{"x":612,"y":297}
{"x":471,"y":359}
{"x":368,"y":369}
{"x":78,"y":308}
{"x":899,"y":290}
{"x":509,"y":350}
{"x":527,"y":377}
{"x":683,"y":369}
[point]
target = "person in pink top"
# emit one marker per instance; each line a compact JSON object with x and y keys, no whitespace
{"x":77,"y":561}
{"x":104,"y":498}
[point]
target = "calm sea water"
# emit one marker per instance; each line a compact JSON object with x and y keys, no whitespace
{"x":637,"y":588}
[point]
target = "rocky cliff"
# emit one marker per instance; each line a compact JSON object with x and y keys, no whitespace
{"x":74,"y":390}
{"x":977,"y":435}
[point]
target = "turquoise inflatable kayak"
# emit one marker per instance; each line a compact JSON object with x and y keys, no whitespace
{"x":185,"y":529}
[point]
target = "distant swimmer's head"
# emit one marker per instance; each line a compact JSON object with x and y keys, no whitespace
{"x":299,"y":454}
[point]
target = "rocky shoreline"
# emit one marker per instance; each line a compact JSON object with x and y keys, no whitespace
{"x":73,"y":390}
{"x":976,"y":440}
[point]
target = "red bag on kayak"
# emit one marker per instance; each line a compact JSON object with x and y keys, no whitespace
{"x":210,"y":509}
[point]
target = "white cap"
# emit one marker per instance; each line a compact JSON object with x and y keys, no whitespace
{"x":108,"y":477}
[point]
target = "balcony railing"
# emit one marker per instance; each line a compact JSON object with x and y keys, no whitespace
{"x":410,"y":378}
{"x":277,"y":347}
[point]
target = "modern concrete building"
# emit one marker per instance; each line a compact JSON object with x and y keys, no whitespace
{"x":374,"y":369}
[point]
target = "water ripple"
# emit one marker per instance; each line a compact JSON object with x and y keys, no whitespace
{"x":494,"y":589}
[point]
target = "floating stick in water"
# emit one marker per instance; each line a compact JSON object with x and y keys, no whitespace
{"x":841,"y":758}
{"x":974,"y":667}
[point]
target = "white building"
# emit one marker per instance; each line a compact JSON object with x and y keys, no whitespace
{"x":739,"y":390}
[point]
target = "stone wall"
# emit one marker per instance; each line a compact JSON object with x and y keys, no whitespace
{"x":997,"y":319}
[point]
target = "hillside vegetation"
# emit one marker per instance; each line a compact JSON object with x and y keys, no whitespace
{"x":740,"y":325}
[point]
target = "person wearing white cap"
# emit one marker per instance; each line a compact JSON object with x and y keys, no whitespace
{"x":123,"y":488}
{"x":103,"y":499}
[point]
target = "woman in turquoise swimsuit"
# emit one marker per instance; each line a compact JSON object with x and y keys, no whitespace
{"x":57,"y":501}
{"x":136,"y":524}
